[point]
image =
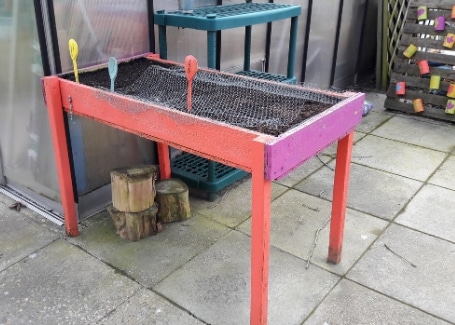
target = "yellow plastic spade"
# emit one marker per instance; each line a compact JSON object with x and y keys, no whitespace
{"x":74,"y":51}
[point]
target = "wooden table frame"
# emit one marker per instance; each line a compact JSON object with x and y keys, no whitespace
{"x":265,"y":157}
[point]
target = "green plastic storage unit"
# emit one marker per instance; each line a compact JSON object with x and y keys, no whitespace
{"x":195,"y":171}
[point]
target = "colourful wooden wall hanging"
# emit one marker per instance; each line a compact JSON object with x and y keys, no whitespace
{"x":428,"y":43}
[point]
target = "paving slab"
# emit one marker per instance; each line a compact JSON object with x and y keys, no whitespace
{"x":145,"y":308}
{"x":151,"y":259}
{"x":61,"y":284}
{"x":419,"y":131}
{"x":350,"y":303}
{"x":398,"y":158}
{"x":431,"y":211}
{"x":303,"y":171}
{"x":215,"y":285}
{"x":444,"y":176}
{"x":371,"y":191}
{"x":429,"y":286}
{"x":233,"y":205}
{"x":6,"y":201}
{"x":372,"y":121}
{"x":378,"y":100}
{"x":296,"y":217}
{"x":331,"y":151}
{"x":20,"y":236}
{"x":375,"y":117}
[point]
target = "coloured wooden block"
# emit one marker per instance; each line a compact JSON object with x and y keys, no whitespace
{"x":450,"y":107}
{"x":422,"y":13}
{"x":410,"y":51}
{"x":435,"y":81}
{"x":418,"y":105}
{"x":400,"y":88}
{"x":424,"y":68}
{"x":440,"y":23}
{"x":451,"y":91}
{"x":449,"y":40}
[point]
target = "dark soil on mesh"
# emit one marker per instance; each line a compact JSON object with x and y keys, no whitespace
{"x":130,"y":72}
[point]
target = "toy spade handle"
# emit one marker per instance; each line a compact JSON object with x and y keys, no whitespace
{"x":113,"y":69}
{"x":191,"y":67}
{"x":74,"y":51}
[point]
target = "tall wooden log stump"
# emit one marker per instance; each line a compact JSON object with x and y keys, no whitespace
{"x":172,"y":196}
{"x":133,"y":189}
{"x":133,"y":207}
{"x":133,"y":226}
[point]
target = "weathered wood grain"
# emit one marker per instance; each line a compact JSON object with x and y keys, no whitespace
{"x":172,"y":196}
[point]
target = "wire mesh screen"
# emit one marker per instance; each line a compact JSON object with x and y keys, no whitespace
{"x":267,"y":107}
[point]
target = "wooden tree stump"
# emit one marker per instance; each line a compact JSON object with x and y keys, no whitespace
{"x":133,"y":189}
{"x":172,"y":196}
{"x":133,"y":202}
{"x":135,"y":225}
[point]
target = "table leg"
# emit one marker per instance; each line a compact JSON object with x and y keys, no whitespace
{"x":260,"y":239}
{"x":164,"y":160}
{"x":211,"y":63}
{"x":60,"y":144}
{"x":247,"y":49}
{"x":162,"y":39}
{"x":340,"y":195}
{"x":211,"y":49}
{"x":292,"y":47}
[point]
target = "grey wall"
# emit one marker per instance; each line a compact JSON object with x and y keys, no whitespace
{"x":327,"y":64}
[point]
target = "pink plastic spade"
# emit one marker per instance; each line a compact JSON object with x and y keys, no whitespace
{"x":190,"y":71}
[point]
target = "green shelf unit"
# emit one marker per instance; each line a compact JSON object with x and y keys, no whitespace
{"x":200,"y":173}
{"x":193,"y":170}
{"x":215,"y":18}
{"x":268,"y":76}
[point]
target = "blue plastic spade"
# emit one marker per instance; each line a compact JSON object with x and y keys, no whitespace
{"x":113,"y":69}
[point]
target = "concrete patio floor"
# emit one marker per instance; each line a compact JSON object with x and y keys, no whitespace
{"x":398,"y":264}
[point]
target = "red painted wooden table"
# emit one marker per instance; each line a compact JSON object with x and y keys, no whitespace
{"x":266,"y":157}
